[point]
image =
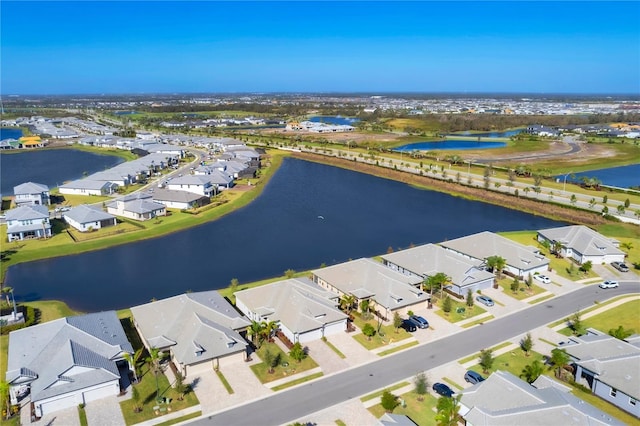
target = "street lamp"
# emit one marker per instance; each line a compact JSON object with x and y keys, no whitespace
{"x":564,"y":186}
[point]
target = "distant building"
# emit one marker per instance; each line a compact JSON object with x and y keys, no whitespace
{"x":31,"y":193}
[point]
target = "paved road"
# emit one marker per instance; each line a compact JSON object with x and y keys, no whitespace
{"x":287,"y":406}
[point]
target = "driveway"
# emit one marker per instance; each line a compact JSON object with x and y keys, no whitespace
{"x":105,"y":411}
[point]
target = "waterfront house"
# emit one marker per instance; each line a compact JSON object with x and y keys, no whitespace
{"x":303,"y":310}
{"x":86,"y":218}
{"x":28,"y":221}
{"x":610,"y":367}
{"x":137,"y":206}
{"x":31,"y":193}
{"x":68,"y":361}
{"x":388,"y":291}
{"x":88,"y":187}
{"x":197,"y":184}
{"x":180,"y":199}
{"x":430,"y":259}
{"x":504,"y":399}
{"x":521,"y":260}
{"x":200,"y":331}
{"x":582,"y":244}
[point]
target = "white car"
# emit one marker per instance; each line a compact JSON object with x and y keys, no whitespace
{"x":542,"y":278}
{"x":609,"y":284}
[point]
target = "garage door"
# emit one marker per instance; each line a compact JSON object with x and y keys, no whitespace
{"x":49,"y":406}
{"x":110,"y":389}
{"x":311,"y":335}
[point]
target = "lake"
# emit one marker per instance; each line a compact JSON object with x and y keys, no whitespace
{"x":448,"y":145}
{"x":334,"y":119}
{"x":308,"y":214}
{"x":50,"y":167}
{"x":622,"y":177}
{"x":7,"y":133}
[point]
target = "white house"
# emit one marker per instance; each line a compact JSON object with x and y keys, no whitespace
{"x":582,"y":244}
{"x":86,"y":218}
{"x":197,"y":184}
{"x":28,"y":221}
{"x":31,"y":193}
{"x":303,"y":310}
{"x":88,"y":187}
{"x":137,"y":206}
{"x":68,"y":361}
{"x":179,"y":199}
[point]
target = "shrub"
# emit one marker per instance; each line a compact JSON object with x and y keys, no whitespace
{"x":389,"y":401}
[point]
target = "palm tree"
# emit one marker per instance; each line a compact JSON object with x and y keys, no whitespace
{"x":346,"y":302}
{"x":438,"y":280}
{"x":254,"y":332}
{"x":531,"y":372}
{"x":496,"y":264}
{"x":155,"y":355}
{"x":559,"y":358}
{"x":269,"y":329}
{"x":448,"y":411}
{"x":134,"y":361}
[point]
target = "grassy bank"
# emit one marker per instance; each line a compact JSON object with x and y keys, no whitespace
{"x":62,"y":244}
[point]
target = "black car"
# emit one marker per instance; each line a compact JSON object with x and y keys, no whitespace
{"x":408,"y":325}
{"x":443,"y":390}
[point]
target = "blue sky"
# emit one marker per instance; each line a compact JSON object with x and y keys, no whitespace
{"x":165,"y":47}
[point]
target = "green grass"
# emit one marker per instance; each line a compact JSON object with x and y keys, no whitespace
{"x":541,"y":299}
{"x":454,"y":316}
{"x":452,"y":383}
{"x":180,"y":419}
{"x":477,"y":354}
{"x":297,"y":381}
{"x":379,"y":393}
{"x":421,"y":412}
{"x":388,"y":334}
{"x":333,"y":348}
{"x":523,"y":292}
{"x":147,"y":389}
{"x":513,"y":362}
{"x":294,"y":367}
{"x":82,"y":414}
{"x":605,"y":406}
{"x":398,"y":348}
{"x":625,"y":315}
{"x":340,"y":423}
{"x":547,"y":342}
{"x":49,"y":310}
{"x":224,"y":381}
{"x":479,"y":321}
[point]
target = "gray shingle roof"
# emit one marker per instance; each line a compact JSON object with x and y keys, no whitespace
{"x":26,"y":212}
{"x":30,"y":188}
{"x":582,"y":239}
{"x":84,"y":213}
{"x":177,"y":196}
{"x":365,"y":277}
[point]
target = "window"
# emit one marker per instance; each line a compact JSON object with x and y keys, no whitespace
{"x":632,"y":402}
{"x":613,"y":392}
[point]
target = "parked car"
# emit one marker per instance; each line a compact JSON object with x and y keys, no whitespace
{"x":419,"y":321}
{"x":609,"y":284}
{"x":542,"y":278}
{"x":408,"y":325}
{"x":485,"y":300}
{"x":473,"y":377}
{"x":443,"y":390}
{"x":620,"y":266}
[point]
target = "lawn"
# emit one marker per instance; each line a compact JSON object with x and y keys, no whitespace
{"x":455,"y":316}
{"x":421,"y":412}
{"x":388,"y":334}
{"x":625,"y":315}
{"x":147,"y":390}
{"x":513,"y":362}
{"x":523,"y":291}
{"x":286,"y":366}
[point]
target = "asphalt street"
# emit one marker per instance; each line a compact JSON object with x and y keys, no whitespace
{"x":287,"y":406}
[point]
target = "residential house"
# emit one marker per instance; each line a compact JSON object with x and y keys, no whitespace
{"x":88,"y":187}
{"x":180,"y":199}
{"x":137,"y":206}
{"x":303,"y":310}
{"x":201,"y":331}
{"x":28,"y":221}
{"x":582,"y":244}
{"x":197,"y":184}
{"x":387,"y":290}
{"x":506,"y":400}
{"x":521,"y":260}
{"x":609,"y":367}
{"x":68,"y":361}
{"x":430,"y":259}
{"x":86,"y":218}
{"x":31,"y":193}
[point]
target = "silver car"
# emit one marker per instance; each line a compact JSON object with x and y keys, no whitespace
{"x":609,"y":284}
{"x":485,"y":300}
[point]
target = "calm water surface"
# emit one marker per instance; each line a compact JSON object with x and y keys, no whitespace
{"x":505,"y":134}
{"x":283,"y":228}
{"x":622,"y":177}
{"x":449,"y":145}
{"x":51,"y":167}
{"x":10,"y":134}
{"x":334,"y":119}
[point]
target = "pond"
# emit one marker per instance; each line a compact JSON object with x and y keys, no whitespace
{"x":50,"y":167}
{"x":308,"y":214}
{"x":621,"y":177}
{"x":334,"y":119}
{"x":449,"y":145}
{"x":503,"y":134}
{"x":10,"y":133}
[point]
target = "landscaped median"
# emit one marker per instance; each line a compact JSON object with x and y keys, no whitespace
{"x":383,"y":336}
{"x":277,"y":365}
